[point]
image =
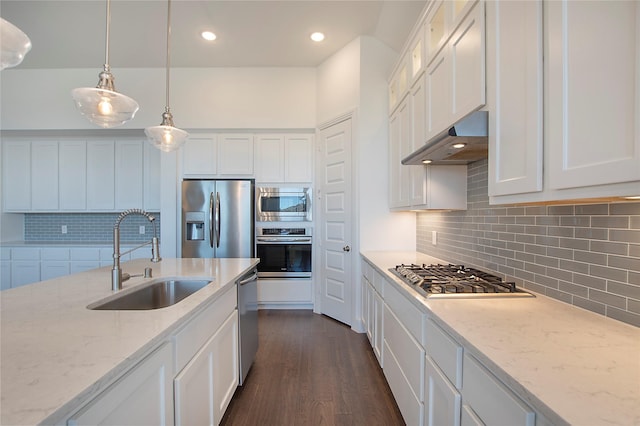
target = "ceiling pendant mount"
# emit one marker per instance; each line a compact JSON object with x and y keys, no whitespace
{"x":103,"y":105}
{"x":166,"y":137}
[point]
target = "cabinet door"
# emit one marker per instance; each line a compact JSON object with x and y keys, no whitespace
{"x":24,"y":272}
{"x":270,"y":155}
{"x":199,"y":156}
{"x":151,"y":179}
{"x":100,"y":175}
{"x":235,"y":155}
{"x":129,"y":160}
{"x":417,"y":179}
{"x":50,"y":269}
{"x":298,"y":157}
{"x":204,"y":388}
{"x":378,"y":335}
{"x":44,"y":175}
{"x":73,"y":175}
{"x":406,"y":142}
{"x":5,"y":274}
{"x":467,"y":50}
{"x":442,"y":400}
{"x":16,"y":175}
{"x":142,"y":397}
{"x":438,"y":92}
{"x":592,"y":112}
{"x":514,"y":95}
{"x":394,"y":160}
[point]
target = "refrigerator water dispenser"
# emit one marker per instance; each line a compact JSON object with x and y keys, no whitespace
{"x":195,"y":226}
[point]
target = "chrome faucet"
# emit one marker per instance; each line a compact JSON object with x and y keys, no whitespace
{"x":117,"y":276}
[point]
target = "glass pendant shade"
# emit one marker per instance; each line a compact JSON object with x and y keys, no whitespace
{"x":166,"y":137}
{"x":14,"y":45}
{"x":102,"y":105}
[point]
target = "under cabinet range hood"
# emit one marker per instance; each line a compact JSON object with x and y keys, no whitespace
{"x":463,"y":143}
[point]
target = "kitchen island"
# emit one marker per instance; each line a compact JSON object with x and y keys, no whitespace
{"x":569,"y":365}
{"x":56,"y":354}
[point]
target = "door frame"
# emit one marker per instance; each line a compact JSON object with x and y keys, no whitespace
{"x":356,"y":306}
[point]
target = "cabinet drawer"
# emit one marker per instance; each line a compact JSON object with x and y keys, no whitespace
{"x":409,"y":405}
{"x":490,"y":399}
{"x":194,"y":335}
{"x":85,"y":253}
{"x":408,"y":314}
{"x":367,"y":271}
{"x":407,"y":351}
{"x":445,"y":351}
{"x":54,"y":253}
{"x":25,"y":253}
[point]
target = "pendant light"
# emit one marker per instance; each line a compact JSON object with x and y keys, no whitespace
{"x":102,"y":105}
{"x":166,"y":137}
{"x":14,"y":45}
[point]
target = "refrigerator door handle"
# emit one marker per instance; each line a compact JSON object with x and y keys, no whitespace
{"x":218,"y":222}
{"x":211,"y":220}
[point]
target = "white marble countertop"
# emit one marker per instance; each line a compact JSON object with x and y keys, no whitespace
{"x":569,"y":364}
{"x":573,"y":363}
{"x":56,"y":353}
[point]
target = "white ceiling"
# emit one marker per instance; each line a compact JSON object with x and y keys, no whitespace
{"x":71,"y":34}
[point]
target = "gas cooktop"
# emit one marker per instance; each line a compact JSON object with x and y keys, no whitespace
{"x":453,"y":281}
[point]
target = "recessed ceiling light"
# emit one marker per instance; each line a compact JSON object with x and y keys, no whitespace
{"x":459,"y":145}
{"x":317,"y":37}
{"x":208,"y":35}
{"x":426,"y":161}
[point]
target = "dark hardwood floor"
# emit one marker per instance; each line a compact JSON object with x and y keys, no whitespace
{"x":312,"y":370}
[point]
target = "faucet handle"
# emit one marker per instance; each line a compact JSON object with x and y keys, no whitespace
{"x":147,"y":272}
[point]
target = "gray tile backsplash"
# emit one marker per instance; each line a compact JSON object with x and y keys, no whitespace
{"x":86,"y":227}
{"x":585,"y":255}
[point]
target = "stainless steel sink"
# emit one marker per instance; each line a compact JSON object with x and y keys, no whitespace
{"x":158,"y":295}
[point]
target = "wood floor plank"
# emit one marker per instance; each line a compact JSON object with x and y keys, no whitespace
{"x":312,"y":370}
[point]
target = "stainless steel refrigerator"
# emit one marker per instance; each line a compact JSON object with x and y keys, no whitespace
{"x":218,"y":218}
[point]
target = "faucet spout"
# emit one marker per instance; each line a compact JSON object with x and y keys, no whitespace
{"x":117,"y":276}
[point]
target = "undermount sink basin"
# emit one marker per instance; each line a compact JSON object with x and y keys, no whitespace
{"x":157,"y":295}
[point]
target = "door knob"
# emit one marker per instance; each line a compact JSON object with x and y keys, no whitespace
{"x":346,"y":248}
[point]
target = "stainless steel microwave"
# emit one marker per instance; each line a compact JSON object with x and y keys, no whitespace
{"x":283,"y":204}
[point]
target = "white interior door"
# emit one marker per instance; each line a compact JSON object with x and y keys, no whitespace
{"x":335,"y":194}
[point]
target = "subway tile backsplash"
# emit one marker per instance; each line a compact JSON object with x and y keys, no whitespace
{"x":585,"y":255}
{"x":86,"y":227}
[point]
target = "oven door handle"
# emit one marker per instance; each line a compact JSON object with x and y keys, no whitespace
{"x":283,"y":240}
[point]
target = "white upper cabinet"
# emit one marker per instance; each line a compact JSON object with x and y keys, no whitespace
{"x":129,"y":156}
{"x":199,"y":155}
{"x":514,"y":96}
{"x":16,"y":175}
{"x":592,"y":118}
{"x":455,"y":77}
{"x":44,"y":175}
{"x":567,"y":128}
{"x":101,"y":175}
{"x":73,"y":175}
{"x":223,"y":155}
{"x":284,"y":158}
{"x":235,"y":155}
{"x":77,"y":175}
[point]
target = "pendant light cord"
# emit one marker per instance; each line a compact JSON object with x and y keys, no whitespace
{"x":168,"y":51}
{"x":106,"y":48}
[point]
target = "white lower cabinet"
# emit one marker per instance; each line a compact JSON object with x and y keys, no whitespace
{"x":404,"y":367}
{"x":142,"y":397}
{"x":204,"y":388}
{"x":442,"y":400}
{"x":286,"y":293}
{"x":490,"y":400}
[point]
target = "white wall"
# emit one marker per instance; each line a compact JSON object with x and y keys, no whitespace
{"x":379,"y":228}
{"x":199,"y":98}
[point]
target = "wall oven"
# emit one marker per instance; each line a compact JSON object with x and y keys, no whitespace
{"x":283,"y":204}
{"x":284,"y":252}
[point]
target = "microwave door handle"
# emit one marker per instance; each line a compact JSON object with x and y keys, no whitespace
{"x":218,"y":220}
{"x":211,"y":220}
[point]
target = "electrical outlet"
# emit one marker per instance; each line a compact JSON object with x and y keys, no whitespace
{"x":64,"y":229}
{"x":141,"y":230}
{"x":434,"y":237}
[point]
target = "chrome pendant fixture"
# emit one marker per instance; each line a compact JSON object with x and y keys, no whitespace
{"x":166,"y":137}
{"x":102,"y":105}
{"x":14,"y":45}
